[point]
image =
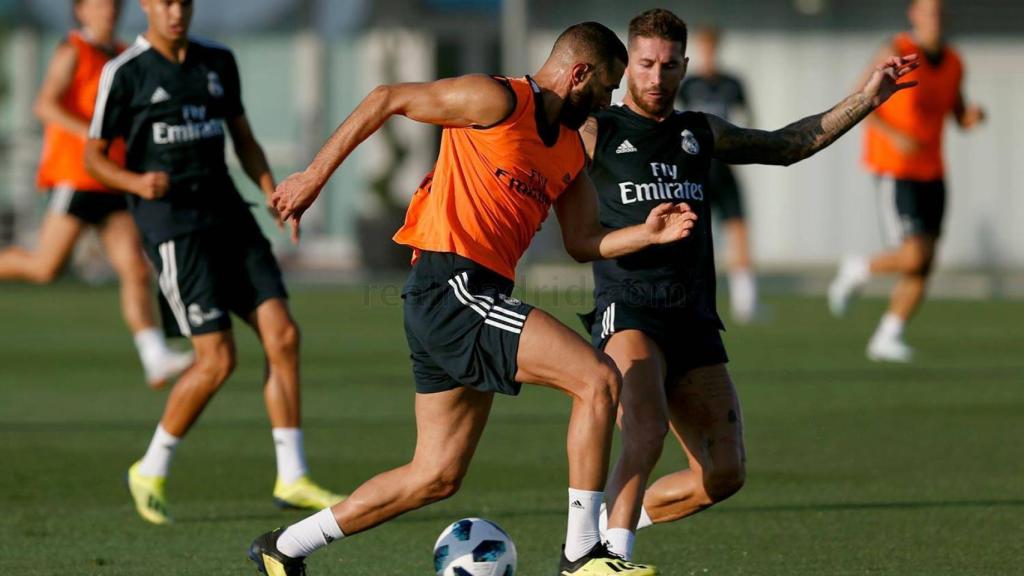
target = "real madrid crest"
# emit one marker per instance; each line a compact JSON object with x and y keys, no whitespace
{"x":689,"y":142}
{"x":509,"y":300}
{"x":213,"y":85}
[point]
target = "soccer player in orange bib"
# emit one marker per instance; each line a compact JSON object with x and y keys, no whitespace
{"x":509,"y":152}
{"x":65,"y":105}
{"x":903,"y":149}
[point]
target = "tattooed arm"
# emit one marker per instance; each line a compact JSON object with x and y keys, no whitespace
{"x":804,"y":138}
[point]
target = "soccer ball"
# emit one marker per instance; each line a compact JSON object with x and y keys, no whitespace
{"x":474,"y":547}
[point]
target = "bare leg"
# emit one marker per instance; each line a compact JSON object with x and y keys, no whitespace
{"x":739,"y":243}
{"x":552,"y":355}
{"x":913,"y":261}
{"x":643,"y":419}
{"x":449,"y":425}
{"x":57,"y":237}
{"x":706,"y":419}
{"x":124,"y":248}
{"x":448,"y":429}
{"x":215,"y":360}
{"x":280,"y":337}
{"x":742,"y":283}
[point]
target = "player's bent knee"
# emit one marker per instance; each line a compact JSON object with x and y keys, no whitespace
{"x":217,"y":366}
{"x":45,"y":273}
{"x":440,"y":485}
{"x":603,"y":384}
{"x":135,"y":273}
{"x":724,"y":481}
{"x":283,"y":340}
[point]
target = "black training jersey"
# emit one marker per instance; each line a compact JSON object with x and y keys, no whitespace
{"x":720,"y":94}
{"x":638,"y":164}
{"x":172,"y":117}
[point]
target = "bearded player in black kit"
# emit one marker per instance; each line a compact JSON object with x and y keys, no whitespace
{"x":655,"y":310}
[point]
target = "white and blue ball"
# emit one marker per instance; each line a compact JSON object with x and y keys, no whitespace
{"x":474,"y":547}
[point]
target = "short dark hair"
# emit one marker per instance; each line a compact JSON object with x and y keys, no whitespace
{"x":658,"y":23}
{"x":592,"y":40}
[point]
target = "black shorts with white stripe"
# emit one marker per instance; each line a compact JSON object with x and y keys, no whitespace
{"x":726,"y":199}
{"x":462,"y":325}
{"x":90,"y":207}
{"x":686,"y":342}
{"x":911,"y":208}
{"x":206,"y":275}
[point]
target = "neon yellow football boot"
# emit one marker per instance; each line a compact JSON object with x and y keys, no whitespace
{"x":600,"y":562}
{"x":304,"y":494}
{"x":270,"y":561}
{"x":149,"y":496}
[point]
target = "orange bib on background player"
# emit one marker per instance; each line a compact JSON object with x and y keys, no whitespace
{"x":62,"y":162}
{"x":492,"y":188}
{"x":920,"y":112}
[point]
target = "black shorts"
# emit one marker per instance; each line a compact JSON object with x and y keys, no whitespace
{"x":726,"y":199}
{"x":462,"y":326}
{"x":912,"y":208}
{"x":210,"y":273}
{"x":686,"y":343}
{"x":90,"y":207}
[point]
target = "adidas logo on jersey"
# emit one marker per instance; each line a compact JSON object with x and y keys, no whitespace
{"x":625,"y":148}
{"x":159,"y":96}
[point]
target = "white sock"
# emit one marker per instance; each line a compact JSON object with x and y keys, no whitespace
{"x":151,"y":345}
{"x":890,"y":327}
{"x":157,"y":460}
{"x":743,"y":294}
{"x":645,"y":520}
{"x":584,"y":519}
{"x":620,"y":541}
{"x":307,"y":536}
{"x":291,"y":457}
{"x":856,"y":270}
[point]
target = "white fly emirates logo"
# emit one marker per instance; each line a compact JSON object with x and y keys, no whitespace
{"x":195,"y":128}
{"x":664,"y":187}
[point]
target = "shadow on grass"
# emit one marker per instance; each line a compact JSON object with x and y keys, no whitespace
{"x":857,"y":506}
{"x":269,"y":517}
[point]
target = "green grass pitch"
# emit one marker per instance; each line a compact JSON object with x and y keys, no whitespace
{"x":853,"y":468}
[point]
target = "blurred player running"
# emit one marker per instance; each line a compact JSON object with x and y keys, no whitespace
{"x":656,"y":314}
{"x":903,"y":149}
{"x":170,"y":97}
{"x":65,"y":105}
{"x":713,"y":91}
{"x":509,"y":152}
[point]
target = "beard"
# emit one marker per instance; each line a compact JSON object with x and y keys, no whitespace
{"x":661,"y":109}
{"x":577,"y":108}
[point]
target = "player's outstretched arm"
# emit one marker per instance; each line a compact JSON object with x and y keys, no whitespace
{"x":150,"y":185}
{"x":473,"y":100}
{"x":585,"y":239}
{"x":806,"y":137}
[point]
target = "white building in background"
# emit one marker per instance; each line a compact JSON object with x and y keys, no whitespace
{"x":305,"y":65}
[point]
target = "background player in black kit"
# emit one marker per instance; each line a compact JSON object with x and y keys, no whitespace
{"x":170,"y":97}
{"x":655,"y":312}
{"x":714,"y":91}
